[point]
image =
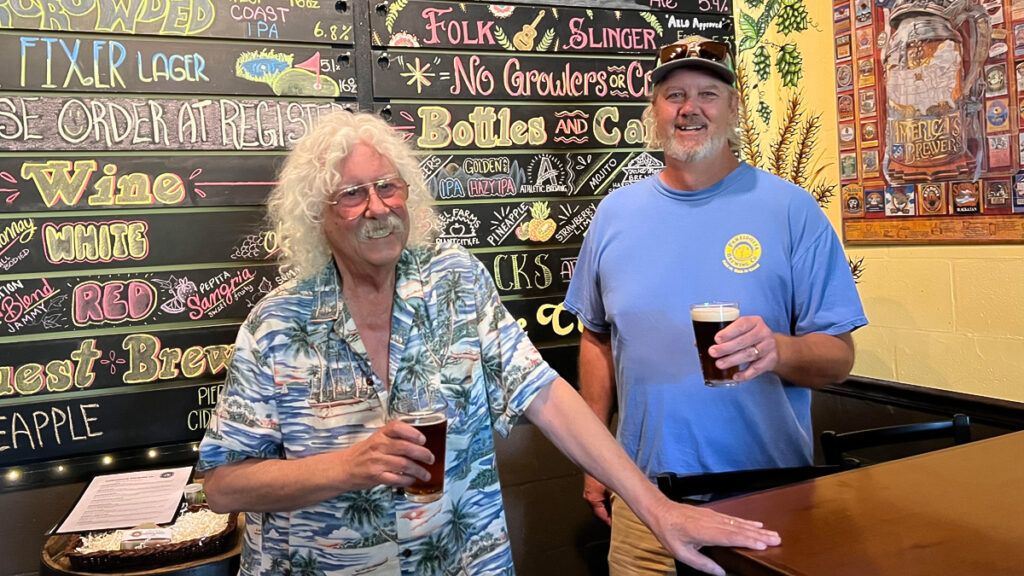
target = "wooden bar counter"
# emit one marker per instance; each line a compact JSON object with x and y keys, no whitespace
{"x":953,"y":511}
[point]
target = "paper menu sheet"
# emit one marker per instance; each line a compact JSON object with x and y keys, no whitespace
{"x":127,"y":500}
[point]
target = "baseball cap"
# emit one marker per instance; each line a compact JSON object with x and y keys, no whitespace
{"x":695,"y":52}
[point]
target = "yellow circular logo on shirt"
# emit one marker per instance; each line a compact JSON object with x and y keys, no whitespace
{"x":742,"y":254}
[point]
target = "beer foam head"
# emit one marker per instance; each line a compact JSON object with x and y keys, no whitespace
{"x":715,"y":313}
{"x":424,"y":418}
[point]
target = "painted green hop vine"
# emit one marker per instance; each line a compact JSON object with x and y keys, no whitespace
{"x":789,"y":16}
{"x":767,"y":41}
{"x":791,"y":151}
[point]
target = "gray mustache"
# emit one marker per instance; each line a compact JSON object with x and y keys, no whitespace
{"x":378,"y":228}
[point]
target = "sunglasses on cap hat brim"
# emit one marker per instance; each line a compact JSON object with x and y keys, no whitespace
{"x":712,"y":51}
{"x":705,"y":49}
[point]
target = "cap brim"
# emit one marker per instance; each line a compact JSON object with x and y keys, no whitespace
{"x":714,"y":68}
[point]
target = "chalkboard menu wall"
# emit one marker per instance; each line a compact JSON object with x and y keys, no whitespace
{"x":524,"y":116}
{"x":138,"y":141}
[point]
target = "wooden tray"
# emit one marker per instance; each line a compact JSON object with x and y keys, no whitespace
{"x":54,"y":561}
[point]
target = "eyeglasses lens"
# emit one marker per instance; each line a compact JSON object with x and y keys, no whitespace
{"x":391,"y":191}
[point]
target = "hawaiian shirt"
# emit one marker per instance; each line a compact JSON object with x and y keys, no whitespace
{"x":300,"y":384}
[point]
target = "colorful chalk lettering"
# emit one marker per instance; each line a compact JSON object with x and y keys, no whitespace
{"x":545,"y":319}
{"x":466,"y":126}
{"x":66,"y":427}
{"x":56,"y":375}
{"x":403,"y":73}
{"x":524,"y":28}
{"x":105,"y":181}
{"x":23,"y":305}
{"x":65,"y":243}
{"x":713,"y":6}
{"x":44,"y":123}
{"x":460,"y":176}
{"x":149,"y":360}
{"x":274,"y":20}
{"x":232,"y":286}
{"x":59,"y":306}
{"x":111,"y":241}
{"x":113,"y":302}
{"x":529,"y":272}
{"x":108,"y":361}
{"x":15,"y":236}
{"x":84,"y":63}
{"x":33,"y":430}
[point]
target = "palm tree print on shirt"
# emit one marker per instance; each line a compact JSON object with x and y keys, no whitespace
{"x":366,"y":508}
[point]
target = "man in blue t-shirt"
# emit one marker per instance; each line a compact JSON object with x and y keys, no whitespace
{"x":708,"y":227}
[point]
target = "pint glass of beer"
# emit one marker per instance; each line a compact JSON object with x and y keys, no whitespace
{"x":708,"y":318}
{"x":427,"y":412}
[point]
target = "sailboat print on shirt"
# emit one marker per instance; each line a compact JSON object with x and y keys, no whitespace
{"x":337,"y":399}
{"x":342,"y":394}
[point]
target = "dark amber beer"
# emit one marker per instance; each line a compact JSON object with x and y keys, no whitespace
{"x":434,"y":426}
{"x":708,"y":319}
{"x":426,"y":410}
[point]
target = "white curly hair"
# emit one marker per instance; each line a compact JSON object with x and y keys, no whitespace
{"x":295,"y":208}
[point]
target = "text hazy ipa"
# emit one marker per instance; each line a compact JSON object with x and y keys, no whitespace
{"x":435,"y":427}
{"x":708,"y":319}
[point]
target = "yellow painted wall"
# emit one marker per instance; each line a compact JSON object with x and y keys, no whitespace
{"x":947,"y":317}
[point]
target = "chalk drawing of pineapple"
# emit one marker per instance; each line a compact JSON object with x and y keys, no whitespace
{"x":540,"y":228}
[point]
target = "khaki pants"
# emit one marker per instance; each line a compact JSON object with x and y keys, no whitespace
{"x":634,"y":550}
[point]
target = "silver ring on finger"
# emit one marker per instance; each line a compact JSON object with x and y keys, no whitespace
{"x":757,"y":353}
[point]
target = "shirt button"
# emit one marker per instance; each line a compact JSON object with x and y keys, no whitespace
{"x":406,"y":553}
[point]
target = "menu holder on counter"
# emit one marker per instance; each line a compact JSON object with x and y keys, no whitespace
{"x":127,"y":500}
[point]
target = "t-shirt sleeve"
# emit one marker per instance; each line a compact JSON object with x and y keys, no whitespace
{"x":825,"y":296}
{"x":584,"y":297}
{"x":511,"y":367}
{"x":245,"y":421}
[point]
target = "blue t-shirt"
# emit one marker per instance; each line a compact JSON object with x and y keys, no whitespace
{"x":650,"y":252}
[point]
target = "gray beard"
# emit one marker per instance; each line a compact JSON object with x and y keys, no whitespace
{"x":673,"y":149}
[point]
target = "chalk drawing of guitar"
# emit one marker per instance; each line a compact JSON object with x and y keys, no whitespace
{"x":523,"y":40}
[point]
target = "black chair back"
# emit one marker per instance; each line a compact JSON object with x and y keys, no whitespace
{"x":834,"y":446}
{"x":725,"y":484}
